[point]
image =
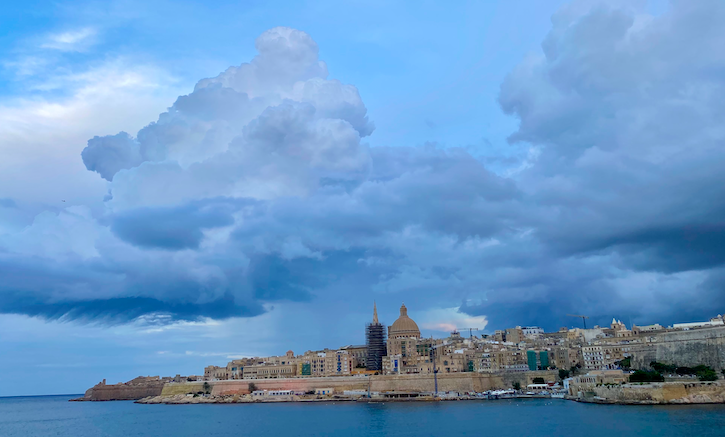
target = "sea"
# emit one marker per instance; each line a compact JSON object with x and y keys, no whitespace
{"x":55,"y":416}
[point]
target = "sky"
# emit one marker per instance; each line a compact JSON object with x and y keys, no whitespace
{"x":185,"y":183}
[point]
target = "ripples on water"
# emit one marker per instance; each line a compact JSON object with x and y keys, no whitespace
{"x":55,"y":416}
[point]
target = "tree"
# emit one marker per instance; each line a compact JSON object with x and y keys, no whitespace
{"x":646,"y":376}
{"x":575,"y":370}
{"x":207,"y":387}
{"x":707,"y":375}
{"x":563,"y":374}
{"x":625,"y":364}
{"x":538,"y":380}
{"x":516,"y":385}
{"x":252,"y":387}
{"x":662,"y":367}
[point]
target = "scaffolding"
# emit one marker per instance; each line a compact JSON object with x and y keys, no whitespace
{"x":376,"y":349}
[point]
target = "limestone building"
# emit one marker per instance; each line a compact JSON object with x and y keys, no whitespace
{"x":403,"y":338}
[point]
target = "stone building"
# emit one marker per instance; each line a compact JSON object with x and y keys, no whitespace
{"x":514,"y":335}
{"x":358,"y":353}
{"x":402,"y":346}
{"x":338,"y":363}
{"x":267,"y":371}
{"x":215,"y":373}
{"x":532,"y":331}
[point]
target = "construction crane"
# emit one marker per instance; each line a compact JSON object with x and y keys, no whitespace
{"x":470,"y":331}
{"x":584,"y":319}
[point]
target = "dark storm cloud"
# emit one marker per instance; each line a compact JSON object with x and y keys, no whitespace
{"x":629,"y":180}
{"x":174,"y":228}
{"x":257,"y":188}
{"x":122,"y":310}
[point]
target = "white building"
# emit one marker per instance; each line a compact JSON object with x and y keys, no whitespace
{"x":532,"y":331}
{"x":715,"y":321}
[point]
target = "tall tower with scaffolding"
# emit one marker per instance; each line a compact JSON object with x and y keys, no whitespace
{"x":375,"y":342}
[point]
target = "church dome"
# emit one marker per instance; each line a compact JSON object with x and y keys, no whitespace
{"x":404,"y":326}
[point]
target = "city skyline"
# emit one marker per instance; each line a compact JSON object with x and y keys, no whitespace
{"x":404,"y":329}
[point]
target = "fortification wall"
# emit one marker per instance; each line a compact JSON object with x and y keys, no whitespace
{"x":122,"y":392}
{"x":506,"y":380}
{"x":241,"y":386}
{"x":663,"y":393}
{"x":685,"y":348}
{"x":459,"y":382}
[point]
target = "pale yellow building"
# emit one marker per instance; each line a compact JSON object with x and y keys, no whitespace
{"x":403,"y":339}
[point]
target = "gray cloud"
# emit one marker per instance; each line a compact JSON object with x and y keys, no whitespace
{"x":110,"y":154}
{"x":172,"y":228}
{"x":257,"y":188}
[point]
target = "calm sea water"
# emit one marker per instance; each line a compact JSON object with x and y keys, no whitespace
{"x":54,"y":416}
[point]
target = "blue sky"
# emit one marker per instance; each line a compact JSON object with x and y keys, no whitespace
{"x":184,"y":183}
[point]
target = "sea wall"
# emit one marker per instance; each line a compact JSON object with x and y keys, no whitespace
{"x":660,"y":393}
{"x":459,"y":382}
{"x":684,"y":348}
{"x":241,"y":386}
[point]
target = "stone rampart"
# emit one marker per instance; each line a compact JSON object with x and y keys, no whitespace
{"x":661,"y":393}
{"x":241,"y":386}
{"x":459,"y":382}
{"x":684,"y":348}
{"x":123,"y":392}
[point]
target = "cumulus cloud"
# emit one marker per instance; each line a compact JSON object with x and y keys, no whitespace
{"x":109,"y":154}
{"x":258,"y":188}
